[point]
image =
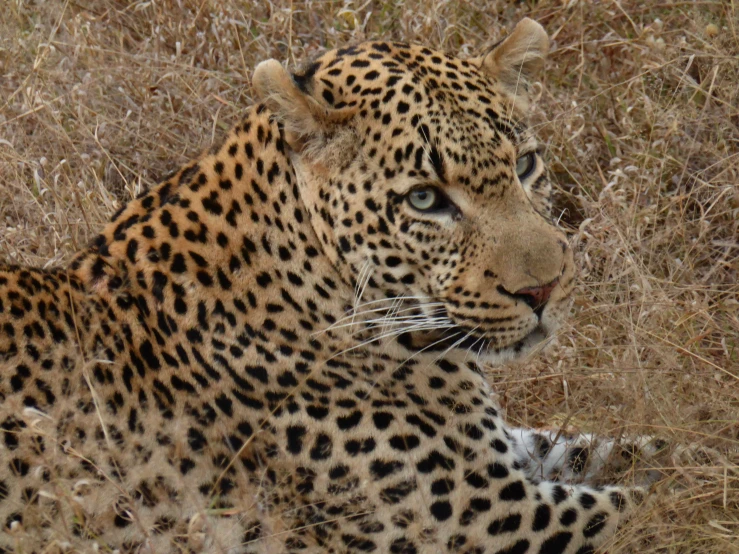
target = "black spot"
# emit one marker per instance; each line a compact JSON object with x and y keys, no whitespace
{"x":186,"y":464}
{"x":403,"y":546}
{"x":322,"y":447}
{"x":521,"y":547}
{"x":178,"y":264}
{"x":543,"y":445}
{"x":358,"y":543}
{"x":195,"y":439}
{"x":381,"y":469}
{"x":121,"y":520}
{"x":295,"y":434}
{"x":578,"y":459}
{"x":455,"y":543}
{"x":568,"y":517}
{"x":301,"y":80}
{"x":392,"y":261}
{"x":225,"y":404}
{"x":542,"y":516}
{"x":447,"y":366}
{"x":556,"y":544}
{"x":442,"y":486}
{"x":404,"y":442}
{"x":618,"y":500}
{"x":595,"y":525}
{"x":441,"y":510}
{"x":382,"y":420}
{"x":131,"y":250}
{"x":433,"y":460}
{"x":204,"y":277}
{"x":497,"y":471}
{"x":559,"y":494}
{"x":587,"y":501}
{"x":473,"y":431}
{"x":258,"y":372}
{"x":417,"y":421}
{"x":263,"y":279}
{"x":347,"y":422}
{"x":19,"y":467}
{"x":147,"y":353}
{"x":508,"y":524}
{"x":317,"y":412}
{"x":328,"y":96}
{"x":338,"y":472}
{"x":476,"y":480}
{"x":513,"y":492}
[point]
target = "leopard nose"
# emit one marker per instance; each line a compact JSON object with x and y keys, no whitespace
{"x":535,"y":297}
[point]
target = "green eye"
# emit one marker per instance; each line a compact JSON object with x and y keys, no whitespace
{"x":525,"y":166}
{"x":425,"y":199}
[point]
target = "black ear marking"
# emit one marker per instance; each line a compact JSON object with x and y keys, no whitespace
{"x":304,"y":79}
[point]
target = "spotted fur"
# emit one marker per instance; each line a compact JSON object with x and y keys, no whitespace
{"x":274,"y":351}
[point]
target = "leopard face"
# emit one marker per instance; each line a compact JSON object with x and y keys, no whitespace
{"x":424,"y":185}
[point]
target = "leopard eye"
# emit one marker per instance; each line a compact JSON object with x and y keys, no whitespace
{"x":525,"y":166}
{"x":426,"y":199}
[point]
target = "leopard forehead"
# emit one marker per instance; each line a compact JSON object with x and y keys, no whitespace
{"x":403,"y":89}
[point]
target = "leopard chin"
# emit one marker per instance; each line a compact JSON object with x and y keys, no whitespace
{"x":481,"y":348}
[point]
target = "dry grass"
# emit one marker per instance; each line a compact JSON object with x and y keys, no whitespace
{"x":640,"y":111}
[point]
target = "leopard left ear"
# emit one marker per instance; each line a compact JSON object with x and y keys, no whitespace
{"x":515,"y":60}
{"x":306,"y":119}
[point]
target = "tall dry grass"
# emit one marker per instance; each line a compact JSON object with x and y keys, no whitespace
{"x":640,"y":113}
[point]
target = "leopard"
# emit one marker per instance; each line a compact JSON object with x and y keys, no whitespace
{"x":282,"y":346}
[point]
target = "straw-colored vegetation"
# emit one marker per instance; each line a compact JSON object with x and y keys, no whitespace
{"x":640,"y":114}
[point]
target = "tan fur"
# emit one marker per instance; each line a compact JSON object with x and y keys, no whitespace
{"x":276,"y":350}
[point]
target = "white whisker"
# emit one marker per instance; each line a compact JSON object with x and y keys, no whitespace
{"x":379,"y":322}
{"x":393,"y":298}
{"x":437,"y":308}
{"x":419,"y":327}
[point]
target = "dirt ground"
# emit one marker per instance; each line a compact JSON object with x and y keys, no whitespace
{"x":639,"y":112}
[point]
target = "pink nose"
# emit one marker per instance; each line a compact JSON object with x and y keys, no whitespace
{"x":537,"y":297}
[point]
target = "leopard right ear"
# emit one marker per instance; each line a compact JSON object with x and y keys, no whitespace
{"x":514,"y":61}
{"x":305,"y":118}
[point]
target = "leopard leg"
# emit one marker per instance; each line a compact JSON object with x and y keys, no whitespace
{"x":570,"y":457}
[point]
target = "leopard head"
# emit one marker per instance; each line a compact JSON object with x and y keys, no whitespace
{"x":423,"y":184}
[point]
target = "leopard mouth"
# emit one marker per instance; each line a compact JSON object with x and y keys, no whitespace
{"x":459,"y":337}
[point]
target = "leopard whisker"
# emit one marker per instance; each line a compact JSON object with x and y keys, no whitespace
{"x":460,"y":341}
{"x":393,"y":298}
{"x":377,"y":310}
{"x":419,"y":327}
{"x":379,"y":322}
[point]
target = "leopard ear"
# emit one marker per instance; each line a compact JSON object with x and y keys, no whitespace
{"x":304,"y":117}
{"x":515,"y":59}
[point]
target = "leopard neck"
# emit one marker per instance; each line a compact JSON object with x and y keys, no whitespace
{"x":229,"y":229}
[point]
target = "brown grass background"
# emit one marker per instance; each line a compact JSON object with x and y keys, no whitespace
{"x":640,"y":115}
